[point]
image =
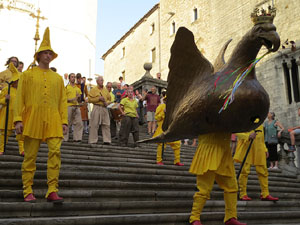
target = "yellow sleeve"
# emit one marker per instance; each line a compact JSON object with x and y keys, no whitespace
{"x":20,"y":98}
{"x":93,"y":96}
{"x":159,"y":113}
{"x":80,"y":92}
{"x":63,"y":109}
{"x":2,"y":96}
{"x":243,"y":136}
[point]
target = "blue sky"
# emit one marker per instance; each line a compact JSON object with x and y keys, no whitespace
{"x":115,"y":18}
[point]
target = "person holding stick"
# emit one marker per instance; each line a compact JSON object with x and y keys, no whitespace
{"x":175,"y":145}
{"x":7,"y":100}
{"x":257,"y":157}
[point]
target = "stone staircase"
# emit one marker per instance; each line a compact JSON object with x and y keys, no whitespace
{"x":123,"y":185}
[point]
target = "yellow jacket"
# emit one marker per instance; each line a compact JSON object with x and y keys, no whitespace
{"x":71,"y":92}
{"x":257,"y":153}
{"x":159,"y":117}
{"x":13,"y":92}
{"x":41,"y":103}
{"x":95,"y":93}
{"x":5,"y":76}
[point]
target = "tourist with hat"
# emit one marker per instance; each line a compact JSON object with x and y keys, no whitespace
{"x":41,"y":115}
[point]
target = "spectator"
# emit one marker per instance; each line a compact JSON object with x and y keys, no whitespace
{"x":140,"y":108}
{"x":294,"y":131}
{"x":158,"y":75}
{"x":271,"y":138}
{"x":125,"y":88}
{"x":118,"y":93}
{"x":66,"y":79}
{"x":83,"y":101}
{"x":257,"y":157}
{"x":114,"y":127}
{"x":122,"y":82}
{"x":21,"y":66}
{"x":153,"y":101}
{"x":100,"y":97}
{"x":130,"y":121}
{"x":74,"y":114}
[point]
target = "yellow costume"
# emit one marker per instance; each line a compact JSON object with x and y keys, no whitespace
{"x":5,"y":76}
{"x":10,"y":125}
{"x":41,"y":105}
{"x":213,"y":161}
{"x":256,"y":157}
{"x":159,"y":117}
{"x":74,"y":113}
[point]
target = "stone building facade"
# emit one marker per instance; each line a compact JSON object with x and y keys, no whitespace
{"x":213,"y":22}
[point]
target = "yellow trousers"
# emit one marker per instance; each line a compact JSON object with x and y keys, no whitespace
{"x":176,"y":148}
{"x":20,"y":141}
{"x":205,"y":184}
{"x":262,"y":173}
{"x":31,"y":147}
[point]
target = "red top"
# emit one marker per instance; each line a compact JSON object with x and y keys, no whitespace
{"x":153,"y":101}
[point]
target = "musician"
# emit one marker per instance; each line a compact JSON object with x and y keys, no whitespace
{"x":130,"y":122}
{"x":100,"y":97}
{"x":80,"y":83}
{"x":257,"y":157}
{"x":74,"y":114}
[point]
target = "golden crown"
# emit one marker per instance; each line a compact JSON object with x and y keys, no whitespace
{"x":263,"y":16}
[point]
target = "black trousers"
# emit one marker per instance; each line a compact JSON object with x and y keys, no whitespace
{"x":129,"y":125}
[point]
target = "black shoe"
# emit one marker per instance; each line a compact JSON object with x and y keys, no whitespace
{"x":135,"y":145}
{"x":106,"y":143}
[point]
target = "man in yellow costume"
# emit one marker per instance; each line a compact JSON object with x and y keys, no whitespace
{"x":7,"y":74}
{"x":100,"y":97}
{"x":213,"y":162}
{"x":175,"y":145}
{"x":257,"y":157}
{"x":41,"y":115}
{"x":4,"y":97}
{"x":74,"y":113}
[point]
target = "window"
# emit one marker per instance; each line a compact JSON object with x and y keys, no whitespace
{"x":123,"y":52}
{"x":173,"y":28}
{"x":291,"y":75}
{"x":152,"y":28}
{"x":123,"y":74}
{"x":195,"y":14}
{"x":153,"y":55}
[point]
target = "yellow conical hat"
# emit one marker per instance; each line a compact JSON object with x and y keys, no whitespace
{"x":45,"y":45}
{"x":14,"y":71}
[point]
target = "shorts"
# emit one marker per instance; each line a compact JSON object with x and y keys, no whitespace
{"x":150,"y":116}
{"x":297,"y":131}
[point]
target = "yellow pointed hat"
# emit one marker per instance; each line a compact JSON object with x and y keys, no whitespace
{"x":45,"y":45}
{"x":14,"y":71}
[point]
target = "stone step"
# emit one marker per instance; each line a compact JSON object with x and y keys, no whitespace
{"x":133,"y":170}
{"x":207,"y":218}
{"x":45,"y":209}
{"x":77,"y":194}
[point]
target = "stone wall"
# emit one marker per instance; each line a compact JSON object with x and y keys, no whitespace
{"x":138,"y":45}
{"x":217,"y":22}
